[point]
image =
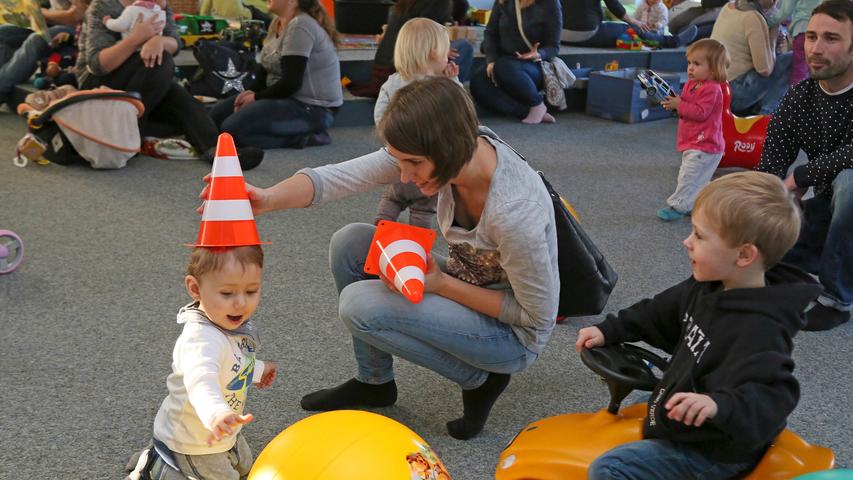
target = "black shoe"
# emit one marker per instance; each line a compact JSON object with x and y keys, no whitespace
{"x":250,"y":157}
{"x":317,"y":139}
{"x":821,"y":318}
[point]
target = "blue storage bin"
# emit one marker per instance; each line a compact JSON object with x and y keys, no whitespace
{"x":618,"y":95}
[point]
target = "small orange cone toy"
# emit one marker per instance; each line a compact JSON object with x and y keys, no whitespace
{"x":400,"y":251}
{"x":227,"y":220}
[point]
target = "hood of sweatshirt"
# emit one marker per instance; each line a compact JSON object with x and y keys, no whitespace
{"x":787,"y":294}
{"x":191,"y":313}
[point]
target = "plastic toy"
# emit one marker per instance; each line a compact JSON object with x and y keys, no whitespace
{"x":57,"y":69}
{"x":562,"y":447}
{"x":656,"y":87}
{"x":400,"y":251}
{"x":744,"y":136}
{"x":193,"y":28}
{"x":11,"y":251}
{"x":842,"y":474}
{"x":349,"y":444}
{"x":227,"y":219}
{"x":250,"y":34}
{"x":629,"y":40}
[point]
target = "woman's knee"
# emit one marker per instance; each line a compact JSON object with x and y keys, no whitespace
{"x":359,"y":306}
{"x":347,"y":253}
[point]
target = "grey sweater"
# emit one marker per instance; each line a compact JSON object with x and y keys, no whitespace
{"x":515,"y":237}
{"x":94,"y":36}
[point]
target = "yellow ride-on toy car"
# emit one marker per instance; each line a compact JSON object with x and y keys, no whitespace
{"x":562,"y":447}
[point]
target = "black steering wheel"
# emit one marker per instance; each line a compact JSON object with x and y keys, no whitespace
{"x":624,"y":367}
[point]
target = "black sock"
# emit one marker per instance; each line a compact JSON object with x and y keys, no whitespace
{"x":351,"y":394}
{"x":477,"y":404}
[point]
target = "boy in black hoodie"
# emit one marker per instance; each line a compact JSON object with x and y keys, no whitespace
{"x":730,"y":385}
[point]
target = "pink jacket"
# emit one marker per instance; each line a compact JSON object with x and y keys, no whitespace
{"x":700,"y":118}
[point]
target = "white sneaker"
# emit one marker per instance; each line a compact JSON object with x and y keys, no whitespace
{"x":175,"y":149}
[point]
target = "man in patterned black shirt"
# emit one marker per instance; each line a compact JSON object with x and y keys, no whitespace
{"x":817,"y":117}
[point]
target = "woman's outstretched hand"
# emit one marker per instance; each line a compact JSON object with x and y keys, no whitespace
{"x":258,"y":197}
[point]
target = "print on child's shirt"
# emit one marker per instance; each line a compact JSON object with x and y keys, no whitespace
{"x":236,"y":396}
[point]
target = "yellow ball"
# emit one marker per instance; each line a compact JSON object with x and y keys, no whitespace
{"x":348,"y":444}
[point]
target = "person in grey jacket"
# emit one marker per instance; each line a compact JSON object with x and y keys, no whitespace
{"x":490,"y":307}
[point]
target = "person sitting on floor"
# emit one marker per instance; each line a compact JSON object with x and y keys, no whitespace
{"x":298,"y":92}
{"x":816,"y":116}
{"x":21,"y":49}
{"x":143,"y":62}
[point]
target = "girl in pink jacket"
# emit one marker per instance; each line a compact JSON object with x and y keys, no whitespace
{"x":700,"y":128}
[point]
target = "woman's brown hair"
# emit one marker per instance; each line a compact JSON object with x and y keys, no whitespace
{"x":434,"y":118}
{"x":317,"y":12}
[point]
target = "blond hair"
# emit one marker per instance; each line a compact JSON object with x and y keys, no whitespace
{"x":752,"y":207}
{"x":204,"y":260}
{"x":716,"y":54}
{"x":419,"y":42}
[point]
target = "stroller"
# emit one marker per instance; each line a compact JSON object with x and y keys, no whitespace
{"x":99,"y":126}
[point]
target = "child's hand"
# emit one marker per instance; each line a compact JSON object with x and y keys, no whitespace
{"x":589,"y":337}
{"x":451,"y":70}
{"x":691,"y":408}
{"x":106,"y":17}
{"x":270,"y":369}
{"x":225,"y":426}
{"x":671,"y":103}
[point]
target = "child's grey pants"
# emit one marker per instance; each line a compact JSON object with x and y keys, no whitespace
{"x":696,"y":170}
{"x":400,"y":196}
{"x":234,"y":464}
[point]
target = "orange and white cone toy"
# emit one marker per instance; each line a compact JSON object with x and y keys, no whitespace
{"x":400,"y":251}
{"x":227,"y":220}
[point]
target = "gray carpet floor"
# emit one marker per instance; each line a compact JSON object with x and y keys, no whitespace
{"x":90,"y":315}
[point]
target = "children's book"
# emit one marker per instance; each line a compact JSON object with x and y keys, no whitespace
{"x":24,"y":13}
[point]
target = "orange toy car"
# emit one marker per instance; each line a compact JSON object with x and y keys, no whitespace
{"x":563,"y":447}
{"x":744,"y":136}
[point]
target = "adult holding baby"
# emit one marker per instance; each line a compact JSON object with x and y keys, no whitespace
{"x":141,"y":62}
{"x":489,"y":308}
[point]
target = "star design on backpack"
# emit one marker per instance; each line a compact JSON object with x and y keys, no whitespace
{"x":232,"y":79}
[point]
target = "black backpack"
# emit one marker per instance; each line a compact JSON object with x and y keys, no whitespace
{"x":224,"y":69}
{"x":586,"y":279}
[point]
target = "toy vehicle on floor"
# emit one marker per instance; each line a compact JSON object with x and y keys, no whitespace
{"x":562,"y":447}
{"x":656,"y":87}
{"x":11,"y":251}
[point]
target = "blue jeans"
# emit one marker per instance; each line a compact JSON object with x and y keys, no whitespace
{"x":824,"y":244}
{"x":605,"y":36}
{"x":23,"y":62}
{"x":272,"y":122}
{"x":751,"y":91}
{"x":661,"y":460}
{"x":517,"y":89}
{"x":437,"y":333}
{"x":464,"y":58}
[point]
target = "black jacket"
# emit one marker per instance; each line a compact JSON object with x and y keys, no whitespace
{"x":734,"y":346}
{"x":586,"y":15}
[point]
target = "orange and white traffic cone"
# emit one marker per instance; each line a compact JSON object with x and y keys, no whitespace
{"x":399,"y":252}
{"x":227,"y":220}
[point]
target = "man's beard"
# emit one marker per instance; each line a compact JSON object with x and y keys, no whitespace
{"x":830,"y":70}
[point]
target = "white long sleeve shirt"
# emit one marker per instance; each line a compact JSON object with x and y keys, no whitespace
{"x":212,"y":370}
{"x":128,"y":18}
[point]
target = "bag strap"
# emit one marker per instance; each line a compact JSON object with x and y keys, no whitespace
{"x":520,"y":28}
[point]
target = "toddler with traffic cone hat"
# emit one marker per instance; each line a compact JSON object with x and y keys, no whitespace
{"x":197,"y":430}
{"x":399,"y":252}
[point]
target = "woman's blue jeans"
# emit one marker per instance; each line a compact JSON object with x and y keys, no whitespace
{"x":272,"y":123}
{"x":824,"y":244}
{"x":517,"y":89}
{"x":464,"y":58}
{"x":751,"y":91}
{"x":20,"y":51}
{"x":437,"y":333}
{"x":661,"y":460}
